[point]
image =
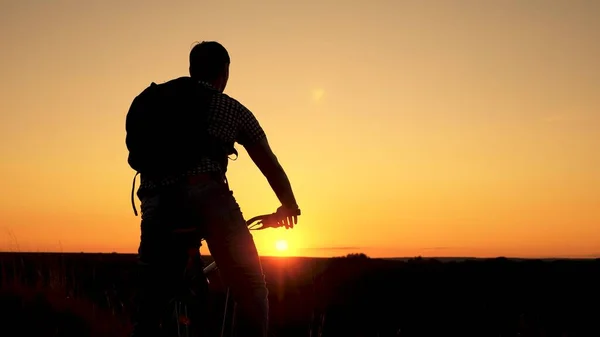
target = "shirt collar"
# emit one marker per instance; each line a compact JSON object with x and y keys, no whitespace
{"x":207,"y":85}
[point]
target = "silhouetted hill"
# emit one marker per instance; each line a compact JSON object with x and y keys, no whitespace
{"x":361,"y":296}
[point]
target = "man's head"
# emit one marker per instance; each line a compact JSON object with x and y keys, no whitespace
{"x":209,"y":62}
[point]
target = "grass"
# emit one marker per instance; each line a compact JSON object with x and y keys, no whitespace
{"x":48,"y":304}
{"x":44,"y":312}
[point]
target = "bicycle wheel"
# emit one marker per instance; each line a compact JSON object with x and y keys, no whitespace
{"x":228,"y":324}
{"x":185,"y":314}
{"x":176,"y":321}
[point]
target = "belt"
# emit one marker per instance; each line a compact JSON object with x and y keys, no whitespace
{"x":191,"y":179}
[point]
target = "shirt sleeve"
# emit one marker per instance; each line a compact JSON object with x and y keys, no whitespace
{"x":249,"y":130}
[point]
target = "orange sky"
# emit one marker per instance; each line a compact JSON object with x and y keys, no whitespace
{"x":434,"y":128}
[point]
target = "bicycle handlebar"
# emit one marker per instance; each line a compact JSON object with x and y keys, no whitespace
{"x":265,"y":221}
{"x":255,"y":221}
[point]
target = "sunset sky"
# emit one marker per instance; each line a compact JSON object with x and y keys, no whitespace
{"x":434,"y":128}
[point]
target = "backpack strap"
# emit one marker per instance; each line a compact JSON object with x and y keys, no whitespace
{"x":133,"y":194}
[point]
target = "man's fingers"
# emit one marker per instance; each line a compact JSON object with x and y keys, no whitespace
{"x":287,"y":218}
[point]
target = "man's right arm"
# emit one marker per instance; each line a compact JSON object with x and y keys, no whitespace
{"x":262,"y":155}
{"x":251,"y":135}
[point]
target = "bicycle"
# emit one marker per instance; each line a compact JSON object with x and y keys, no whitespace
{"x":179,"y":311}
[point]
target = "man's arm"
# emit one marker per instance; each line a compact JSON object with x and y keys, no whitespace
{"x":262,"y":155}
{"x":251,"y":135}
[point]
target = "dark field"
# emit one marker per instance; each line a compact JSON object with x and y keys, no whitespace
{"x":90,"y":295}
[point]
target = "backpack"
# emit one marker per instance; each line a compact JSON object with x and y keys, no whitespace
{"x":166,"y":129}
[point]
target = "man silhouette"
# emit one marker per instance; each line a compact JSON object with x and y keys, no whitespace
{"x":178,"y":209}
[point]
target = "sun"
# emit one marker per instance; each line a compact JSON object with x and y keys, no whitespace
{"x":281,"y":245}
{"x":317,"y":94}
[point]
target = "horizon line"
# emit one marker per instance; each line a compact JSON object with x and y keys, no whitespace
{"x":580,"y":257}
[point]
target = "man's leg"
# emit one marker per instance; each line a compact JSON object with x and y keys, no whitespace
{"x":233,"y":249}
{"x":163,"y":257}
{"x":152,"y":286}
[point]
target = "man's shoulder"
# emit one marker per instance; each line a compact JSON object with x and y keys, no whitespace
{"x":225,"y":99}
{"x":178,"y":82}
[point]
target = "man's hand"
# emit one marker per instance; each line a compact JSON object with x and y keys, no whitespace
{"x":287,"y":216}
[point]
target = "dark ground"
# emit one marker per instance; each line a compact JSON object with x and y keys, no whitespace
{"x":90,"y":295}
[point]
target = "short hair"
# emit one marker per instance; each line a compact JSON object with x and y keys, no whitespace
{"x":208,"y":60}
